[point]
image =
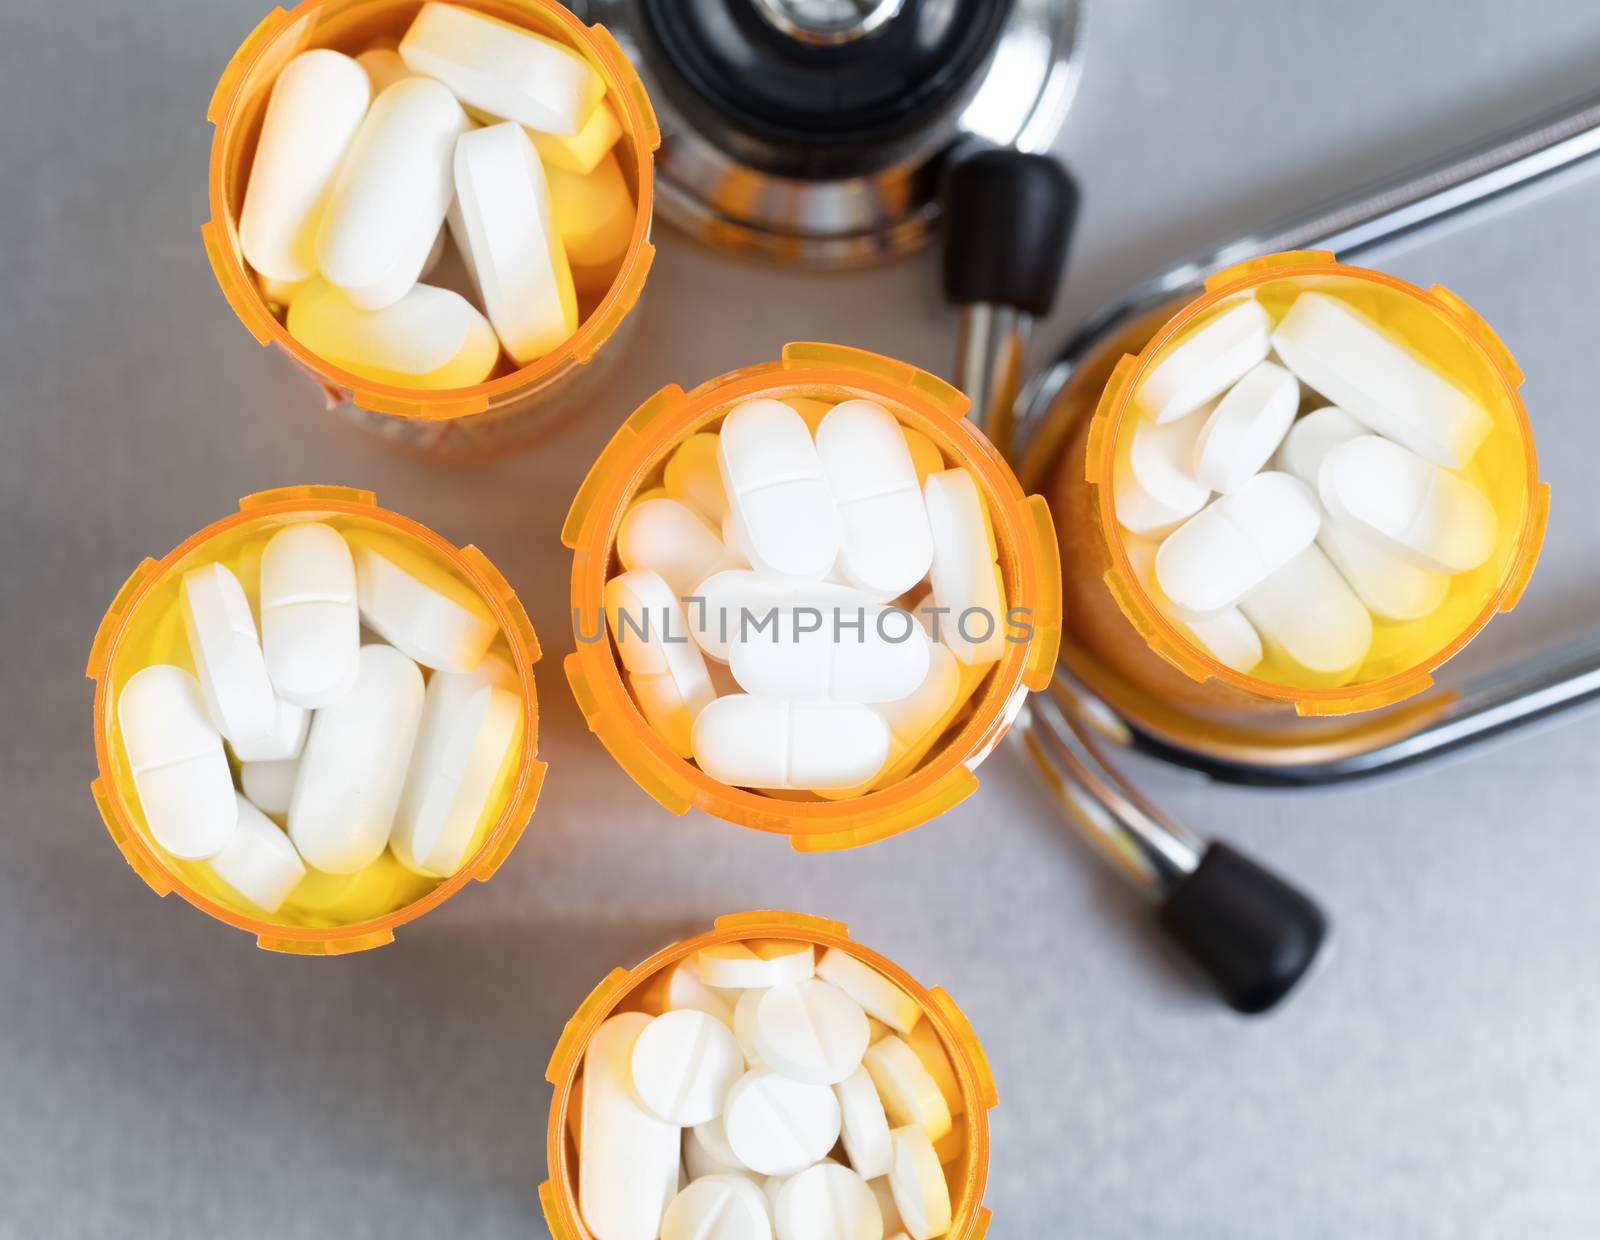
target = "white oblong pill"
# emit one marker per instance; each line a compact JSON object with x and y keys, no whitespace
{"x":227,"y":654}
{"x":921,"y":1193}
{"x":885,"y":544}
{"x":810,"y":1031}
{"x":924,"y":1040}
{"x":864,"y":1125}
{"x":1246,"y":427}
{"x":179,"y":769}
{"x":1207,"y":362}
{"x":755,"y":964}
{"x":684,"y":1064}
{"x":827,"y":1202}
{"x":628,"y":1159}
{"x":909,"y":1092}
{"x":912,"y":719}
{"x":718,"y":1207}
{"x":671,"y":539}
{"x":285,"y":740}
{"x":777,"y":1126}
{"x":1153,"y":485}
{"x":1225,"y":550}
{"x":1308,"y":612}
{"x":270,"y":784}
{"x":502,"y":223}
{"x":1225,"y":634}
{"x":876,"y":994}
{"x":753,"y":742}
{"x":691,"y":477}
{"x":706,"y":1151}
{"x":1414,"y":507}
{"x":258,"y":861}
{"x":503,"y":70}
{"x":1309,"y":441}
{"x":812,"y":656}
{"x":1378,"y":380}
{"x":664,"y":666}
{"x":431,"y":339}
{"x":354,"y":766}
{"x":391,"y":194}
{"x":310,"y":628}
{"x":455,"y":766}
{"x":966,"y":579}
{"x":416,"y":606}
{"x":739,"y":603}
{"x":383,"y":68}
{"x":777,"y":491}
{"x":316,"y":106}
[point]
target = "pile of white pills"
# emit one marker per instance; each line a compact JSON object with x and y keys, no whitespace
{"x":348,"y":742}
{"x":763,"y":1093}
{"x":806,"y":602}
{"x":363,"y":159}
{"x":1264,"y":532}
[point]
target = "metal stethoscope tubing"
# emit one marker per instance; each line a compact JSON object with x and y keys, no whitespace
{"x":1009,"y":217}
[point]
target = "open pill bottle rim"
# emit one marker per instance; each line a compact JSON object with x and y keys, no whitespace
{"x":1496,"y":374}
{"x":558,"y":1194}
{"x":236,"y":110}
{"x":112,"y":788}
{"x":1029,"y":563}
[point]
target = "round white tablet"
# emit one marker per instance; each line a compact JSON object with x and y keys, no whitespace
{"x":828,"y":1203}
{"x":865,"y":1127}
{"x":918,"y":1183}
{"x":777,"y":1126}
{"x":706,"y":1150}
{"x":684,"y":1064}
{"x":755,"y":963}
{"x":718,"y":1207}
{"x":744,"y":1026}
{"x":872,"y":990}
{"x":811,"y":1031}
{"x":909,"y":1092}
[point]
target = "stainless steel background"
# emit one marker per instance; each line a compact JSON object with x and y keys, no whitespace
{"x":160,"y":1077}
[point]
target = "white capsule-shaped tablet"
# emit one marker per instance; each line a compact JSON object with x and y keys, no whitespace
{"x":227,"y":654}
{"x":663,"y":664}
{"x":921,"y":1193}
{"x":1378,"y":380}
{"x":753,"y":742}
{"x":179,"y":769}
{"x":864,"y":1125}
{"x":354,"y":766}
{"x":755,"y":964}
{"x":1226,"y":635}
{"x":391,"y":194}
{"x":316,"y":106}
{"x":270,"y":784}
{"x":501,"y":70}
{"x":871,"y":655}
{"x":777,"y":491}
{"x":1416,"y":508}
{"x":503,"y":225}
{"x":777,"y":1126}
{"x":909,"y":1092}
{"x":718,"y":1207}
{"x":671,"y":539}
{"x":740,"y":604}
{"x":1246,"y":427}
{"x":966,"y":578}
{"x":1207,"y":362}
{"x":285,"y":739}
{"x":684,"y":1064}
{"x":827,"y":1202}
{"x":258,"y":861}
{"x":1307,"y":612}
{"x":885,"y":544}
{"x":1153,"y":484}
{"x":913,"y":719}
{"x":877,"y":995}
{"x":310,"y":627}
{"x":1227,"y":549}
{"x":416,"y":606}
{"x":691,"y":477}
{"x":432,"y":338}
{"x":810,"y":1031}
{"x":628,"y":1159}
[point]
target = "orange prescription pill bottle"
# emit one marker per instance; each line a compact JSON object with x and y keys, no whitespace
{"x":813,"y":377}
{"x":515,"y":402}
{"x":325,"y":914}
{"x":1118,"y":626}
{"x":964,"y":1153}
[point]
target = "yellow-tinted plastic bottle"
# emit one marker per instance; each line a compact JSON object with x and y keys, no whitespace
{"x":515,"y":402}
{"x":625,"y":990}
{"x":326,"y":914}
{"x":633,"y":462}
